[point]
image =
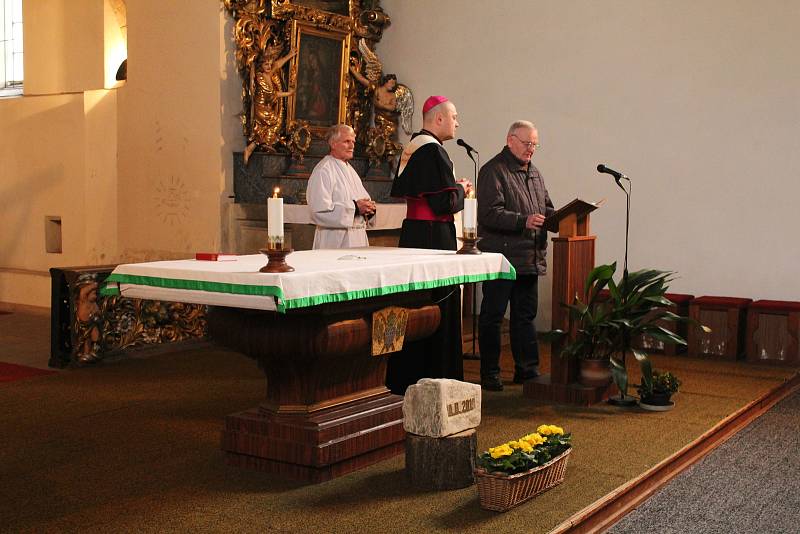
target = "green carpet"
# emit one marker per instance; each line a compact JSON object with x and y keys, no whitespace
{"x":133,"y":445}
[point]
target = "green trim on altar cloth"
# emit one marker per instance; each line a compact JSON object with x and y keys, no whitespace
{"x":109,"y":289}
{"x":319,"y":277}
{"x":196,"y":285}
{"x":282,"y":304}
{"x":389,"y":290}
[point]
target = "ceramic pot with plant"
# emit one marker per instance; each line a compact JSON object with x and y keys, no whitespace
{"x":594,"y":372}
{"x":605,"y":328}
{"x":657,"y":388}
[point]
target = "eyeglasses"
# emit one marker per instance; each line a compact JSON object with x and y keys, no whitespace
{"x":528,"y":144}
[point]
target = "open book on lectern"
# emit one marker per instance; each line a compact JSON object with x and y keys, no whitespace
{"x":577,"y":207}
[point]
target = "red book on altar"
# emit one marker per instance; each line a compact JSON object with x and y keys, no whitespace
{"x":214,"y":256}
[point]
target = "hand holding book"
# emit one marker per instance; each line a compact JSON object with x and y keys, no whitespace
{"x":535,"y":221}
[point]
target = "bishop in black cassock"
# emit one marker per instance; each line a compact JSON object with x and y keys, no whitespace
{"x":425,"y":179}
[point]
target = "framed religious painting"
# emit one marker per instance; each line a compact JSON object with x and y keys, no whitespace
{"x":319,"y":75}
{"x":337,"y":7}
{"x":331,"y":14}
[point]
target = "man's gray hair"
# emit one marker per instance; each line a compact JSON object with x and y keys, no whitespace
{"x":335,"y":132}
{"x":520,"y":125}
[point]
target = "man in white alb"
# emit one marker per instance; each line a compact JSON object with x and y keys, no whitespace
{"x":340,"y":206}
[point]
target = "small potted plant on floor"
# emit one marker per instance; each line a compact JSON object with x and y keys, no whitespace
{"x":518,"y":470}
{"x":656,"y":389}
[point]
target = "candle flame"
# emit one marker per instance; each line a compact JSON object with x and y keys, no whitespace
{"x":471,"y":194}
{"x":275,"y":192}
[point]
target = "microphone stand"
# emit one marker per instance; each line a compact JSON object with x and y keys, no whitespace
{"x":627,"y":220}
{"x":474,"y":355}
{"x":623,"y":399}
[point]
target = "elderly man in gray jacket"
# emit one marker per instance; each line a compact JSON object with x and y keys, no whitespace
{"x":512,"y":206}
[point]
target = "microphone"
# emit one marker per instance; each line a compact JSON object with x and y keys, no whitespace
{"x":616,"y":174}
{"x":463,"y":143}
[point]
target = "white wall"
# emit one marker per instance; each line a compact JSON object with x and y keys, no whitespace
{"x":135,"y":172}
{"x":63,"y":46}
{"x":36,"y":182}
{"x":696,"y":101}
{"x":170,"y":158}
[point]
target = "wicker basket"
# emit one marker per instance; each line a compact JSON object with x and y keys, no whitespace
{"x":502,"y":492}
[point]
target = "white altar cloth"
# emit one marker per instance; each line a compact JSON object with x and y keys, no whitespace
{"x":320,"y":276}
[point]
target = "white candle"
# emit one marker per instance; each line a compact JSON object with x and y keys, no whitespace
{"x":275,"y":215}
{"x":470,"y":212}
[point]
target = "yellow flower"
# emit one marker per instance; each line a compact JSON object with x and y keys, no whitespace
{"x":525,"y":446}
{"x":548,"y":430}
{"x":533,"y":439}
{"x":500,"y":451}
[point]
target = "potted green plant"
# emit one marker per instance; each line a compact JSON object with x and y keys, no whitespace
{"x":604,"y":329}
{"x":656,"y":390}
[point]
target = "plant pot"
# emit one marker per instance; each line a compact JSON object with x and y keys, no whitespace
{"x":595,"y":373}
{"x":657,"y":401}
{"x":501,"y":492}
{"x":657,"y":398}
{"x":656,"y":407}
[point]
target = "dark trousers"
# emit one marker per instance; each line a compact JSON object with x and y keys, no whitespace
{"x":523,"y":293}
{"x":438,"y":356}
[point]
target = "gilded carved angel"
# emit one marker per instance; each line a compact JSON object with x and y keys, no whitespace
{"x":391,"y":102}
{"x":266,"y":103}
{"x":259,"y":45}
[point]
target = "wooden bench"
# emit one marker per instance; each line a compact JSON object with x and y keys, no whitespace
{"x":773,"y":328}
{"x":680,"y":306}
{"x":726,"y":318}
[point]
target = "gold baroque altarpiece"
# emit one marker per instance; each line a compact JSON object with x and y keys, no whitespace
{"x":308,"y":64}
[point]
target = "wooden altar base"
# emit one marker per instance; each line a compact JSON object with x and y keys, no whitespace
{"x":542,"y":388}
{"x":319,"y":446}
{"x":310,"y":474}
{"x":327,"y":410}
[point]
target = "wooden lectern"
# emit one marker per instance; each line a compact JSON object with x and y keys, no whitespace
{"x":573,"y":259}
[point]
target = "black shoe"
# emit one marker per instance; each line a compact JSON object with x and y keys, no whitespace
{"x":492,"y":384}
{"x":533,"y":373}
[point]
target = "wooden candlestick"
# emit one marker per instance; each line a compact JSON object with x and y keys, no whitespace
{"x":277,"y":260}
{"x":469,"y":245}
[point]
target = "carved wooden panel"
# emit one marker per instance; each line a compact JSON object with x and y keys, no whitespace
{"x":86,"y":326}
